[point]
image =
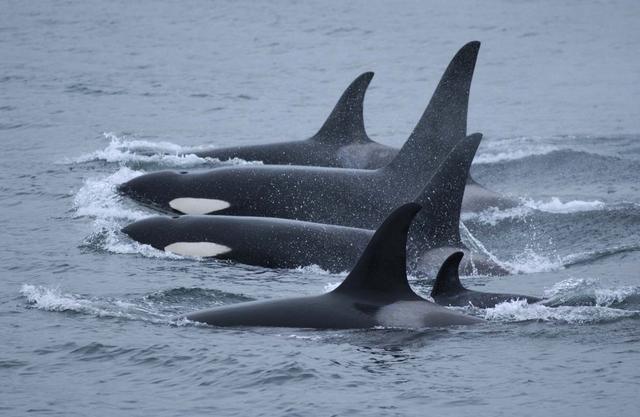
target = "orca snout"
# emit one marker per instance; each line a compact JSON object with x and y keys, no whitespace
{"x":153,"y":231}
{"x":125,"y":189}
{"x":133,"y":230}
{"x":155,"y":189}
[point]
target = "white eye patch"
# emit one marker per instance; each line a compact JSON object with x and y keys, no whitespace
{"x":197,"y":249}
{"x":189,"y":205}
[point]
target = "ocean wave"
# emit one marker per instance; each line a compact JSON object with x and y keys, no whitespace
{"x":492,"y":156}
{"x":589,"y":256}
{"x":529,"y":262}
{"x":494,"y":215}
{"x":554,"y":205}
{"x":477,"y":246}
{"x":194,"y":296}
{"x":581,"y":291}
{"x":579,"y":301}
{"x":162,"y":307}
{"x":520,"y":310}
{"x":52,"y":299}
{"x":129,"y":151}
{"x":532,"y":260}
{"x":496,"y":150}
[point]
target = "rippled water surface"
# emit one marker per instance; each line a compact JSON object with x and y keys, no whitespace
{"x":95,"y":93}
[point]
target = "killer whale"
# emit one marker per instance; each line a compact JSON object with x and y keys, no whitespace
{"x":341,"y":142}
{"x":358,"y":198}
{"x":281,"y":243}
{"x":448,"y":290}
{"x":375,"y":293}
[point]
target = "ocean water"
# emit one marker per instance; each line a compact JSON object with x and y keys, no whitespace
{"x":94,"y":93}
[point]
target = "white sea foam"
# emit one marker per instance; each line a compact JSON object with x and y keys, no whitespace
{"x":581,"y":289}
{"x":509,"y":149}
{"x":491,"y":156}
{"x":609,"y":296}
{"x":526,"y":262}
{"x":300,"y":337}
{"x":494,"y":215}
{"x":317,"y":270}
{"x":571,"y":285}
{"x":107,"y":236}
{"x":520,"y":310}
{"x":477,"y":246}
{"x":330,"y":286}
{"x":99,"y":200}
{"x":529,"y":261}
{"x":125,"y":150}
{"x":554,"y":205}
{"x":52,"y":299}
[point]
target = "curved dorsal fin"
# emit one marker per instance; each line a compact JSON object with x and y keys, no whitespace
{"x":444,"y":121}
{"x":345,"y":124}
{"x":382,"y":267}
{"x":438,"y":223}
{"x":448,"y":279}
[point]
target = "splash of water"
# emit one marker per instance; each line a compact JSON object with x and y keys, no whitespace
{"x":575,"y":291}
{"x":520,"y":310}
{"x":493,"y":215}
{"x":99,"y":200}
{"x":127,"y":151}
{"x":98,"y":197}
{"x":163,"y":307}
{"x":52,"y":299}
{"x":497,"y":153}
{"x":554,"y":205}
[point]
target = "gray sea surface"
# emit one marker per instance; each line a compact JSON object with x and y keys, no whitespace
{"x":93,"y":93}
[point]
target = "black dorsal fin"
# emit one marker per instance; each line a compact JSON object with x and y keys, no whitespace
{"x":444,"y":121}
{"x":448,"y":279}
{"x":345,"y":124}
{"x":438,"y":223}
{"x":382,"y":267}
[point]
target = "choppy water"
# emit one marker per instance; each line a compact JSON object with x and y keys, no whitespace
{"x":95,"y":93}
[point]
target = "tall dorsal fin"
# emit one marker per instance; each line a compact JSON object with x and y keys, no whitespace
{"x":444,"y":121}
{"x":448,"y":279}
{"x":345,"y":124}
{"x":382,"y":268}
{"x":438,"y":223}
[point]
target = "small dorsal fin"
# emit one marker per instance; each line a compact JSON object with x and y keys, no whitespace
{"x":444,"y":121}
{"x":382,"y":268}
{"x":438,"y":223}
{"x":448,"y":279}
{"x":345,"y":124}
